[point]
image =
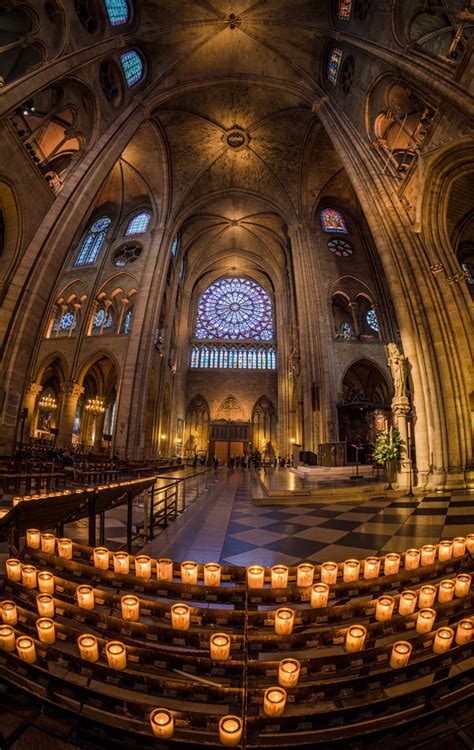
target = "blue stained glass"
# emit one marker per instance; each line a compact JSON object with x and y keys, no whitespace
{"x":225,"y":357}
{"x":117,"y":11}
{"x":65,"y":322}
{"x":93,"y":242}
{"x":235,"y":308}
{"x":371,"y":319}
{"x":138,"y":224}
{"x":205,"y":357}
{"x":347,"y":330}
{"x":233,"y":358}
{"x":195,"y":356}
{"x":271,"y":359}
{"x":251,"y":359}
{"x":334,"y":63}
{"x":127,"y":322}
{"x":100,"y":317}
{"x":242,"y":359}
{"x":175,"y":246}
{"x":132,"y":65}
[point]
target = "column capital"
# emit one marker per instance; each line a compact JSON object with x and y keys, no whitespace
{"x":33,"y":388}
{"x":401,"y":406}
{"x":72,"y":389}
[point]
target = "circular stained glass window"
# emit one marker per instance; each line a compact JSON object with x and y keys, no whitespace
{"x":371,"y":319}
{"x":340,"y":247}
{"x":234,"y":309}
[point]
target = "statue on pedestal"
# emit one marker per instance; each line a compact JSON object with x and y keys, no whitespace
{"x":398,"y":366}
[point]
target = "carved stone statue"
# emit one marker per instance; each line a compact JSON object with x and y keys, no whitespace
{"x":398,"y":366}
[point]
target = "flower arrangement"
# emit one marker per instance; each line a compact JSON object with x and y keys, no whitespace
{"x":388,"y":447}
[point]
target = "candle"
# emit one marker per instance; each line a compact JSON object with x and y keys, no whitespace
{"x":443,"y":639}
{"x":230,"y":730}
{"x":7,"y":638}
{"x":426,"y":596}
{"x":220,"y":646}
{"x":470,"y":543}
{"x":130,"y":608}
{"x":162,"y":723}
{"x":391,"y":564}
{"x":319,"y":595}
{"x":47,"y":543}
{"x":305,"y":574}
{"x":143,"y":566}
{"x":29,"y":576}
{"x":85,"y":597}
{"x":464,"y":632}
{"x":26,"y":649}
{"x":45,"y":605}
{"x":121,"y":562}
{"x":428,"y":554}
{"x":33,"y":538}
{"x":65,"y":548}
{"x":350,"y":571}
{"x":400,"y":654}
{"x":164,"y":569}
{"x":407,"y":602}
{"x":9,"y":613}
{"x":384,"y":608}
{"x":284,"y":619}
{"x":446,"y":591}
{"x":101,"y":558}
{"x":463,"y":584}
{"x":180,"y":616}
{"x":212,"y":574}
{"x":371,"y":568}
{"x":88,"y":647}
{"x":459,"y":546}
{"x":412,"y":559}
{"x":46,"y":582}
{"x":289,"y":673}
{"x":255,"y":577}
{"x":425,"y":620}
{"x":274,"y":701}
{"x":116,"y":655}
{"x":279,"y":577}
{"x":355,"y":638}
{"x":46,"y":630}
{"x":13,"y":568}
{"x":329,"y":572}
{"x":445,"y":550}
{"x":189,"y":572}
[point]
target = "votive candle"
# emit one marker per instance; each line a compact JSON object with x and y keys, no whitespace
{"x":9,"y":613}
{"x":7,"y":638}
{"x":46,"y":630}
{"x":220,"y":646}
{"x":230,"y":730}
{"x":116,"y":655}
{"x":143,"y":566}
{"x":13,"y":568}
{"x":400,"y":655}
{"x":470,"y":543}
{"x":180,"y":616}
{"x":33,"y":538}
{"x":351,"y":571}
{"x":445,"y":550}
{"x":391,"y":564}
{"x":443,"y":640}
{"x":279,"y":577}
{"x":48,"y":542}
{"x":319,"y":595}
{"x":425,"y":620}
{"x":162,"y":723}
{"x":412,"y":559}
{"x":255,"y":577}
{"x":289,"y":673}
{"x":101,"y":558}
{"x":371,"y":568}
{"x":355,"y":638}
{"x":212,"y":574}
{"x":464,"y":632}
{"x":45,"y":605}
{"x":46,"y":582}
{"x":274,"y":701}
{"x":29,"y":576}
{"x":462,"y":584}
{"x":428,"y":554}
{"x":459,"y":546}
{"x":284,"y":620}
{"x":189,"y":572}
{"x":384,"y":608}
{"x":26,"y":649}
{"x":65,"y":548}
{"x":130,"y":608}
{"x":164,"y":569}
{"x":305,"y":574}
{"x":446,"y":591}
{"x":88,"y":647}
{"x":85,"y":597}
{"x":329,"y":573}
{"x":121,"y":563}
{"x":407,"y":602}
{"x":426,"y":596}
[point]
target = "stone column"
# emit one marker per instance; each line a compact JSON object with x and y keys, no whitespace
{"x":29,"y":402}
{"x":70,"y":394}
{"x":400,"y":410}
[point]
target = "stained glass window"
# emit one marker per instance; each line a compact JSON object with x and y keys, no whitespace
{"x":334,"y":62}
{"x":214,"y":357}
{"x":236,"y":309}
{"x":93,"y":241}
{"x":102,"y":317}
{"x":175,"y":246}
{"x":344,"y":8}
{"x":132,"y":65}
{"x":117,"y":11}
{"x":233,"y":358}
{"x":65,"y":322}
{"x":223,"y":356}
{"x":347,"y":330}
{"x":333,"y":221}
{"x":127,"y":322}
{"x":195,"y":352}
{"x":340,"y":247}
{"x":139,"y":223}
{"x":371,"y":319}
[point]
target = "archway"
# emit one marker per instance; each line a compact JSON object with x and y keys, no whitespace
{"x":94,"y":423}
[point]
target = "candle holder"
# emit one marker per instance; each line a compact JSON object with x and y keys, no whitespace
{"x":407,"y":602}
{"x":143,"y":566}
{"x":162,"y":723}
{"x":46,"y":582}
{"x":164,"y":569}
{"x":371,"y":568}
{"x":400,"y":655}
{"x":319,"y":595}
{"x":351,"y":571}
{"x":443,"y":640}
{"x":459,"y":546}
{"x":329,"y":572}
{"x":274,"y":701}
{"x":65,"y":548}
{"x":384,"y":608}
{"x":426,"y":596}
{"x":425,"y":620}
{"x":101,"y":558}
{"x":464,"y":632}
{"x":446,"y":591}
{"x":220,"y":646}
{"x":470,"y":543}
{"x":428,"y":554}
{"x":45,"y":605}
{"x":189,"y":572}
{"x":26,"y":649}
{"x":289,"y":673}
{"x":230,"y":730}
{"x":116,"y":655}
{"x":48,"y":542}
{"x":284,"y":620}
{"x":13,"y":568}
{"x":85,"y":597}
{"x":88,"y":647}
{"x":9,"y":613}
{"x":29,"y":577}
{"x":305,"y":574}
{"x":445,"y":550}
{"x":355,"y":638}
{"x":212,"y":574}
{"x":122,"y":563}
{"x":7,"y":638}
{"x":412,"y":559}
{"x":462,"y":585}
{"x":33,"y":538}
{"x":130,"y":608}
{"x":391,"y":564}
{"x":180,"y":616}
{"x":279,"y":577}
{"x":46,"y":630}
{"x":255,"y":577}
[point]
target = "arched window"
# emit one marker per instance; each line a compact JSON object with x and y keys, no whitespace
{"x":371,"y":318}
{"x":333,"y":221}
{"x":235,"y":309}
{"x":347,"y":330}
{"x":195,"y":352}
{"x":334,"y":62}
{"x":64,"y":324}
{"x":132,"y":65}
{"x":204,"y":361}
{"x":127,"y":322}
{"x":93,"y":241}
{"x":117,"y":11}
{"x":271,"y":359}
{"x":102,"y":321}
{"x":233,"y":357}
{"x":214,"y":357}
{"x":344,"y":8}
{"x":138,"y":224}
{"x":175,"y":246}
{"x":252,"y":359}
